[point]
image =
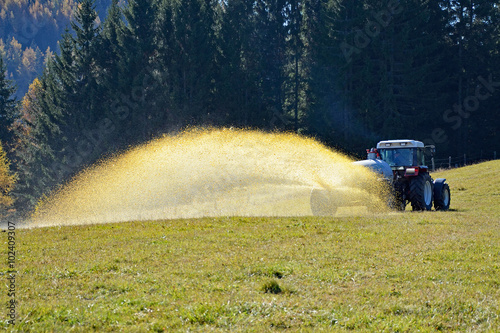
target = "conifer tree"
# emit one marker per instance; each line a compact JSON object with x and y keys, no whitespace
{"x":8,"y":105}
{"x":270,"y":51}
{"x":318,"y":76}
{"x":111,"y":48}
{"x":84,"y":54}
{"x":193,"y":63}
{"x":138,"y":60}
{"x":237,"y":88}
{"x":293,"y":12}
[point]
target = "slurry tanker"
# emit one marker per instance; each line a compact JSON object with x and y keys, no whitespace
{"x":401,"y":165}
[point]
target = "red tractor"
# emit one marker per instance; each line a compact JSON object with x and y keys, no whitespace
{"x":402,"y":164}
{"x":411,"y":181}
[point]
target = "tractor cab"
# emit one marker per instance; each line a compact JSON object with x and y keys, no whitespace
{"x":403,"y":155}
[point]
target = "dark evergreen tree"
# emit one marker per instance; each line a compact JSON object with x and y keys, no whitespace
{"x":237,"y":85}
{"x":193,"y":63}
{"x":472,"y":38}
{"x":8,"y":105}
{"x":138,"y":64}
{"x":110,"y":130}
{"x":62,"y":110}
{"x":111,"y":48}
{"x":168,"y":116}
{"x":315,"y":77}
{"x":293,"y":14}
{"x":84,"y":54}
{"x":270,"y":53}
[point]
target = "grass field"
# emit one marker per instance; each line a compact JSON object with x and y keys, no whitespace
{"x":389,"y":272}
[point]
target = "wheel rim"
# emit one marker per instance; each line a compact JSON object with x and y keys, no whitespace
{"x":446,"y":198}
{"x":428,"y":193}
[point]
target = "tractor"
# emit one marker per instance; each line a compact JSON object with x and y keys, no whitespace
{"x":411,"y":181}
{"x":402,"y":165}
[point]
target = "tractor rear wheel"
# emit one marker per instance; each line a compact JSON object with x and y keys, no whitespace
{"x":396,"y":200}
{"x":421,"y":192}
{"x":400,"y":204}
{"x":442,"y":199}
{"x":322,"y":203}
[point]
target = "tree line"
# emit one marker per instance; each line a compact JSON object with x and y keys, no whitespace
{"x":347,"y":72}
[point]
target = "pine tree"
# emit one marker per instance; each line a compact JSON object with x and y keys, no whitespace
{"x":318,"y":76}
{"x":237,"y":88}
{"x":193,"y":63}
{"x":167,"y":115}
{"x":140,"y":16}
{"x":270,"y":52}
{"x":84,"y":55}
{"x":59,"y":109}
{"x":111,"y":49}
{"x":293,"y":14}
{"x":331,"y":52}
{"x":138,"y":62}
{"x":8,"y":105}
{"x":62,"y":77}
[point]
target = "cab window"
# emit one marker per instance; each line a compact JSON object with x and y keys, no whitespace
{"x":421,"y":156}
{"x":399,"y":156}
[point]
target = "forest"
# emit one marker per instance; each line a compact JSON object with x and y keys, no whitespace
{"x":83,"y":80}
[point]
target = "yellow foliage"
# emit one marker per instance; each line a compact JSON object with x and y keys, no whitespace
{"x":28,"y":103}
{"x":7,"y":181}
{"x":29,"y":59}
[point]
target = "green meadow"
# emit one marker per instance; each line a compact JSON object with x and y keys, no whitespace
{"x":392,"y":272}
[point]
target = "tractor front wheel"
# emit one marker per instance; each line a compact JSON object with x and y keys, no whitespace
{"x":421,"y":192}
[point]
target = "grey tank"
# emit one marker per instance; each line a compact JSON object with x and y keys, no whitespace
{"x":378,"y":166}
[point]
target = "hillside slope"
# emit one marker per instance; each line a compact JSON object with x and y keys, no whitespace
{"x":475,"y":188}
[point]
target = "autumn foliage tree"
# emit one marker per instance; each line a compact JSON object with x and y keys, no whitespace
{"x":7,"y":181}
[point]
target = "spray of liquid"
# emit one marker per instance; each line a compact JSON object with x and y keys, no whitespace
{"x":208,"y":172}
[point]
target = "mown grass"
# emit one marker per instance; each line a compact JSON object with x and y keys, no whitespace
{"x":389,"y":272}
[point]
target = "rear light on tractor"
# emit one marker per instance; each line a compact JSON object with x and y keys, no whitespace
{"x":412,"y":171}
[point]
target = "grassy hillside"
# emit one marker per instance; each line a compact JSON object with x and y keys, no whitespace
{"x":475,"y":188}
{"x":392,"y":272}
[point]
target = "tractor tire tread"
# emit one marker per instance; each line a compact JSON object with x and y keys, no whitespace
{"x":417,"y":188}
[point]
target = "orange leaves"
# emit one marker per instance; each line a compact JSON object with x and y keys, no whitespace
{"x":7,"y":181}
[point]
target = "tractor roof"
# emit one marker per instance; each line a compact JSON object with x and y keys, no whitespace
{"x":400,"y":144}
